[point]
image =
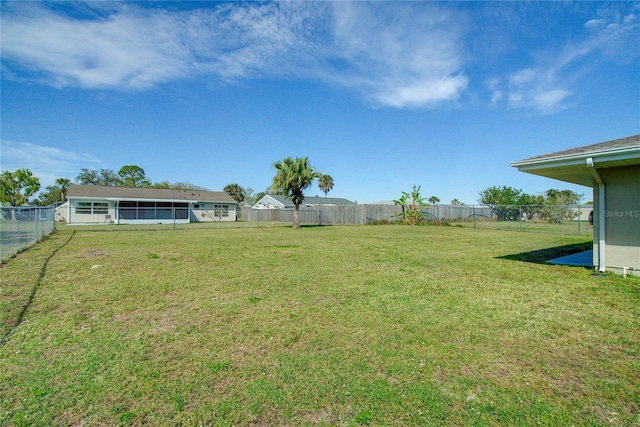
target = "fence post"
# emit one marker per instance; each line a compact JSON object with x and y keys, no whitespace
{"x":473,"y":213}
{"x":579,"y":217}
{"x":15,"y":217}
{"x":520,"y":216}
{"x":35,"y":223}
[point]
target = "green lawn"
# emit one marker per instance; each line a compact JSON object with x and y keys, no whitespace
{"x":363,"y":325}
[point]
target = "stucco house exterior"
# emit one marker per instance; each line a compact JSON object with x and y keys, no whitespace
{"x":93,"y":204}
{"x":281,"y":202}
{"x":612,"y":169}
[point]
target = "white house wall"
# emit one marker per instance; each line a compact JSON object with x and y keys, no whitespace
{"x":209,"y":212}
{"x":204,"y":212}
{"x":73,"y":217}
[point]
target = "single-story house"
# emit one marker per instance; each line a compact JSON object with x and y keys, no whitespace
{"x":94,"y":204}
{"x":282,"y":202}
{"x":612,"y":169}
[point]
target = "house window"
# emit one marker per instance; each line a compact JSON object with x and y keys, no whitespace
{"x":164,"y":210}
{"x":146,"y":210}
{"x":221,"y":210}
{"x":89,"y":208}
{"x":83,"y":207}
{"x":153,"y":210}
{"x":100,"y":208}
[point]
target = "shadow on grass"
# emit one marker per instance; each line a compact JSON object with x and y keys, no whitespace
{"x":543,"y":255}
{"x":36,"y":285}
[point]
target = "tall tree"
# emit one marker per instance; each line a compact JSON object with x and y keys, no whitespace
{"x":434,"y":199}
{"x":293,"y":176}
{"x":558,"y":205}
{"x":236,"y":191}
{"x":63,"y":183}
{"x":49,"y":196}
{"x":325,"y":183}
{"x":16,"y":187}
{"x":456,"y":202}
{"x":106,"y":177}
{"x":504,"y":201}
{"x":133,"y":176}
{"x":166,"y":185}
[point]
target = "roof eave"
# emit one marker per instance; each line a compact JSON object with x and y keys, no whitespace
{"x":137,"y":199}
{"x":576,"y":159}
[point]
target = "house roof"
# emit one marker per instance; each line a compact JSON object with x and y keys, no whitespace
{"x":157,"y":194}
{"x":287,"y":203}
{"x":571,"y":165}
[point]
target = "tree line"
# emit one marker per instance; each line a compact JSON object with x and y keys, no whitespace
{"x":506,"y":203}
{"x":509,"y":204}
{"x":16,"y":188}
{"x":293,"y":176}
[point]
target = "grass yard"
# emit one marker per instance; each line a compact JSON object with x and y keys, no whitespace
{"x":363,"y":325}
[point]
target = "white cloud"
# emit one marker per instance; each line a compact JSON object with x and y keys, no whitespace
{"x":123,"y":50}
{"x":594,"y":24}
{"x":538,"y":90}
{"x":547,"y":86}
{"x":47,"y":163}
{"x":401,"y":55}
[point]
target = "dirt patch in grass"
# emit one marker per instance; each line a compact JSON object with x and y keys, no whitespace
{"x":93,"y":253}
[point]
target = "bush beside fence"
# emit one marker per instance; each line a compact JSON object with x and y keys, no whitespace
{"x":21,"y":227}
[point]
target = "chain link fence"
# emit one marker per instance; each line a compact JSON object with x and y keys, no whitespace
{"x":557,"y":219}
{"x":21,"y":227}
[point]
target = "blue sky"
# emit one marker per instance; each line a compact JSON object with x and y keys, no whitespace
{"x":380,"y":95}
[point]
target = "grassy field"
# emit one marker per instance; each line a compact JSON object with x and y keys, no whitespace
{"x":366,"y":325}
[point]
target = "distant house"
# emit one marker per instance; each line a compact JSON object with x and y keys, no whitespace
{"x":281,"y":202}
{"x":93,"y":204}
{"x":612,"y":169}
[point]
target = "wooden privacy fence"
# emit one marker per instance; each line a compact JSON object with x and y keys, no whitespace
{"x":361,"y":214}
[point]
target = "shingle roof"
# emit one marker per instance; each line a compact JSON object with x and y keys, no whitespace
{"x":134,"y":193}
{"x":593,"y":149}
{"x":571,"y":165}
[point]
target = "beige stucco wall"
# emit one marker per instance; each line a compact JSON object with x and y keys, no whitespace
{"x":622,"y":218}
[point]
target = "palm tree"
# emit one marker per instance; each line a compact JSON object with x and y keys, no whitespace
{"x":293,"y":176}
{"x":64,"y":186}
{"x":434,"y":199}
{"x":236,"y":191}
{"x":325,"y":183}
